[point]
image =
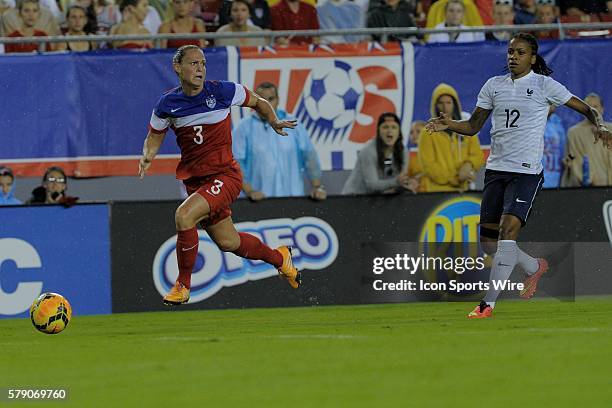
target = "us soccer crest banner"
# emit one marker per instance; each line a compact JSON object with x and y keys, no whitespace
{"x":336,"y":91}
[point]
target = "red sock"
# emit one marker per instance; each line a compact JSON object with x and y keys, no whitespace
{"x":186,"y":254}
{"x":252,"y":248}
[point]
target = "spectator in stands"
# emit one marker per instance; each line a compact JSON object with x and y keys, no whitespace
{"x":106,"y":14}
{"x":340,"y":14}
{"x":415,"y":132}
{"x":455,"y":11}
{"x":240,"y":14}
{"x":525,"y":12}
{"x":437,"y":14}
{"x":259,"y":12}
{"x":29,"y":12}
{"x":581,"y":8}
{"x":503,"y":14}
{"x":208,"y":10}
{"x":134,"y":12}
{"x":90,"y":11}
{"x":393,"y":13}
{"x":12,"y":21}
{"x":53,"y":189}
{"x":294,"y":15}
{"x":182,"y":22}
{"x":7,"y":187}
{"x":580,"y":146}
{"x":414,"y":166}
{"x":554,"y":149}
{"x":77,"y":21}
{"x":546,"y":13}
{"x":273,"y":167}
{"x":382,"y":163}
{"x":450,"y":161}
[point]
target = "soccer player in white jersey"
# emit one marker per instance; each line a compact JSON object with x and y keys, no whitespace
{"x":519,"y":102}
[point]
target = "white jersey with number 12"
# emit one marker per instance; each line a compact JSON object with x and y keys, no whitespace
{"x":520,"y":110}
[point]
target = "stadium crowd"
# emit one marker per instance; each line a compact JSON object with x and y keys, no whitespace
{"x":444,"y":161}
{"x":39,"y":18}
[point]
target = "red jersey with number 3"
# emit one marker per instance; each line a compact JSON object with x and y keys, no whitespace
{"x":202,"y":126}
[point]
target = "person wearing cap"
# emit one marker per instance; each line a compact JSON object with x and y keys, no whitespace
{"x":7,"y":187}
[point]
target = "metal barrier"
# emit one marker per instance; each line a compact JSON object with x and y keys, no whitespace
{"x":593,"y":29}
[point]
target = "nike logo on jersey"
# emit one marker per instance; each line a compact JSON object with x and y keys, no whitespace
{"x":518,"y":200}
{"x":502,"y":264}
{"x":529,"y":92}
{"x":174,"y":110}
{"x":496,"y":92}
{"x":187,"y":249}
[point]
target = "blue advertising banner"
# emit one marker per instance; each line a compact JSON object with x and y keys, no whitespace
{"x":88,"y":111}
{"x":85,"y":106}
{"x":55,"y":249}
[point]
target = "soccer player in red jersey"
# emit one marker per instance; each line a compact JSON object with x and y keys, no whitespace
{"x":198,"y":113}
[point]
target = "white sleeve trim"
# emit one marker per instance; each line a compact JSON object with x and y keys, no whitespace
{"x":158,"y":123}
{"x":239,"y":95}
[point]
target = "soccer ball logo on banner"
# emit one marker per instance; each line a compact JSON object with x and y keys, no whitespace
{"x":331,"y":101}
{"x":336,"y":92}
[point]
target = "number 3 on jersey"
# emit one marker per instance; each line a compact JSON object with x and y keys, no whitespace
{"x":514,"y":114}
{"x":199,"y":139}
{"x":216,"y":189}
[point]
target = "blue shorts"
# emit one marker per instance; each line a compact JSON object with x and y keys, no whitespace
{"x":508,"y":193}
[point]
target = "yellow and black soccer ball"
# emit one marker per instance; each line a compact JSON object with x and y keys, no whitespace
{"x":50,"y":313}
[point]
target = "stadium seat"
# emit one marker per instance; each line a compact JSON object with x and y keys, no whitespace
{"x":587,"y":18}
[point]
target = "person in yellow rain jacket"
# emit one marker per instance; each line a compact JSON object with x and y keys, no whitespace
{"x":449,"y":161}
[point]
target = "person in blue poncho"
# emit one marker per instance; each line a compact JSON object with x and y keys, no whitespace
{"x":273,"y":166}
{"x":7,"y":187}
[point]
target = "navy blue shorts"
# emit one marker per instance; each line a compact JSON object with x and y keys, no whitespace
{"x":508,"y":193}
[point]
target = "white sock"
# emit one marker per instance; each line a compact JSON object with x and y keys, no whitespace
{"x":527,"y":262}
{"x":504,"y":262}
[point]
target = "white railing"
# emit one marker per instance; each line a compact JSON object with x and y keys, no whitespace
{"x":590,"y":29}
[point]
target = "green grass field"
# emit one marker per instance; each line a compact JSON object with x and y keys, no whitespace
{"x":538,"y":353}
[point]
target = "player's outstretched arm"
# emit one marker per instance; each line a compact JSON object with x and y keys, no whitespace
{"x":600,"y":132}
{"x":149,"y":150}
{"x":463,"y":127}
{"x":264,"y":108}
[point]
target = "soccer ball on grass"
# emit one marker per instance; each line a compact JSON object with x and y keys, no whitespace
{"x":50,"y":313}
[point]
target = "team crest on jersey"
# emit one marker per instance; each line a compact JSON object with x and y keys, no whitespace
{"x":211,"y":101}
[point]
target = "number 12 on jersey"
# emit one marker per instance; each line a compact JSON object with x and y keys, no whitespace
{"x":199,"y":138}
{"x":514,"y":114}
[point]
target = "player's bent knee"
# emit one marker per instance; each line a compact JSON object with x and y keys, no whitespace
{"x":228,"y":245}
{"x":184,"y":219}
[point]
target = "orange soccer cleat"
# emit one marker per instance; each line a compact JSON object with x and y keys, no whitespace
{"x":178,"y":295}
{"x":482,"y":311}
{"x":531,"y":282}
{"x":287,"y":270}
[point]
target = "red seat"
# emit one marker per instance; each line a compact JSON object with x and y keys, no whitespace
{"x":606,"y":18}
{"x":587,"y":18}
